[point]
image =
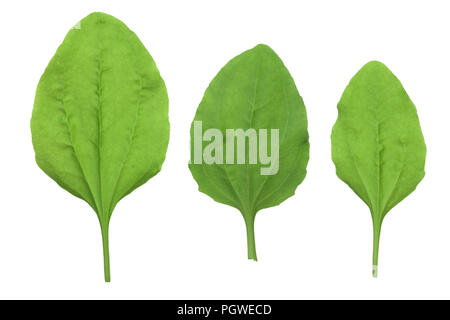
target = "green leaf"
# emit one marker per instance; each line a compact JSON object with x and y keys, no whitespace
{"x":100,"y":120}
{"x":253,"y":91}
{"x":377,"y":144}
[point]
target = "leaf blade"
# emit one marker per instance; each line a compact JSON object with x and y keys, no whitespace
{"x":100,"y":124}
{"x":377,"y":143}
{"x":253,"y":91}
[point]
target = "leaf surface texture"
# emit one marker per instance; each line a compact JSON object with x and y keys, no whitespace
{"x":377,"y":143}
{"x":100,"y":120}
{"x":253,"y":90}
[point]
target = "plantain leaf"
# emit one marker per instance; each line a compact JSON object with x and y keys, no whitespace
{"x":255,"y":121}
{"x":377,"y":144}
{"x":100,"y":120}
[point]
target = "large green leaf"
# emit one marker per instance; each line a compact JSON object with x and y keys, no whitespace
{"x":254,"y":90}
{"x":377,"y":143}
{"x":100,"y":120}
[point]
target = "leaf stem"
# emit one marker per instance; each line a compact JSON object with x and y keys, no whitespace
{"x":376,"y":245}
{"x":251,"y":246}
{"x":105,"y":239}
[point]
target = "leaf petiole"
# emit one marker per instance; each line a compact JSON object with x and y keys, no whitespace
{"x":251,"y":245}
{"x":105,"y":240}
{"x":376,"y":245}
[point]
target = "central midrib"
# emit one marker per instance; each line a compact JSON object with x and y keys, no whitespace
{"x":99,"y":105}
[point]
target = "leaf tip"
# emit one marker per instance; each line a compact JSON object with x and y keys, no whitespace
{"x":375,"y":65}
{"x":99,"y":17}
{"x":98,"y":14}
{"x":263,"y":47}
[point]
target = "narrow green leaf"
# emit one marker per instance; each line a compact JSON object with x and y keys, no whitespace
{"x":254,"y":92}
{"x":100,"y":120}
{"x":377,"y":144}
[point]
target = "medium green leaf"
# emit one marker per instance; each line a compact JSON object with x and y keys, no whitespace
{"x":100,"y":120}
{"x":377,"y":144}
{"x":254,"y":90}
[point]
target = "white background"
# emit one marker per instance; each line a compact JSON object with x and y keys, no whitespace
{"x":170,"y":241}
